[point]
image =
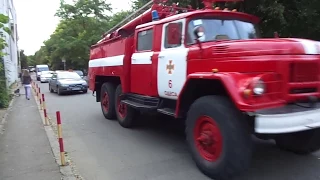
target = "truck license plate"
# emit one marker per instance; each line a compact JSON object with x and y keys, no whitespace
{"x":75,"y":89}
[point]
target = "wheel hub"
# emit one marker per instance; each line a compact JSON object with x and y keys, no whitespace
{"x":208,"y":138}
{"x":105,"y":102}
{"x":122,"y":108}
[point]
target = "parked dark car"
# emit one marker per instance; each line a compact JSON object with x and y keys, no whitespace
{"x":65,"y":81}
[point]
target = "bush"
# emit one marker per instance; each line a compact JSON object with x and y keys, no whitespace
{"x":4,"y":95}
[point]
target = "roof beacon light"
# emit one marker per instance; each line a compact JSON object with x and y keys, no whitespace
{"x":155,"y":15}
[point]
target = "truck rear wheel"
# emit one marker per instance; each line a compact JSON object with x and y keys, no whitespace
{"x":218,"y":137}
{"x":107,"y":100}
{"x":125,"y":114}
{"x":304,"y":142}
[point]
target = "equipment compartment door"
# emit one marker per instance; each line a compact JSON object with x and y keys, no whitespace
{"x":172,"y":63}
{"x":141,"y":63}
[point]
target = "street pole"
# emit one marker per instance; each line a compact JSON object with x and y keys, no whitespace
{"x":64,"y":63}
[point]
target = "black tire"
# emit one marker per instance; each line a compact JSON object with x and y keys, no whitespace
{"x":304,"y":142}
{"x":85,"y":91}
{"x":127,"y":120}
{"x":50,"y":89}
{"x":235,"y":142}
{"x":58,"y":91}
{"x":109,"y":111}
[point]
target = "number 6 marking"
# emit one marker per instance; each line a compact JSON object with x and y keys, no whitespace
{"x":170,"y":83}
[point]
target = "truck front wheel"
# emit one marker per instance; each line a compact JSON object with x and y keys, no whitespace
{"x":304,"y":142}
{"x":107,"y":100}
{"x":125,"y":114}
{"x":218,"y":137}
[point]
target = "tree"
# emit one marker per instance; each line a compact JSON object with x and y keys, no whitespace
{"x":31,"y":60}
{"x":4,"y":96}
{"x":23,"y":60}
{"x":82,"y":24}
{"x":291,"y":18}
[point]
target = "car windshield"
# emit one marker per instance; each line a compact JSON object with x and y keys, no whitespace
{"x":68,"y":75}
{"x":79,"y":72}
{"x":219,"y":29}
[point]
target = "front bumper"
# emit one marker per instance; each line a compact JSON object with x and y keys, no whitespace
{"x":288,"y":119}
{"x":44,"y":79}
{"x":73,"y":89}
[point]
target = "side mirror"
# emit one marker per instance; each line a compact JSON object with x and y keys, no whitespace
{"x":198,"y":32}
{"x":174,"y":33}
{"x":276,"y":35}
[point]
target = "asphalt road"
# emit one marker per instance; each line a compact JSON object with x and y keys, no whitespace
{"x":103,"y":150}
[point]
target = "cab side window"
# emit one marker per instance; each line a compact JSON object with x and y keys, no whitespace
{"x":145,"y":40}
{"x":178,"y":32}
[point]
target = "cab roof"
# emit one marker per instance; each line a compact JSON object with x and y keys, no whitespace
{"x":201,"y":13}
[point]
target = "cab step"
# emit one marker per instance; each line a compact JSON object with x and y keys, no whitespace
{"x":137,"y":105}
{"x":141,"y":102}
{"x":167,"y":111}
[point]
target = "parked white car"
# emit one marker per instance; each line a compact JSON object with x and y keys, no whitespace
{"x":45,"y":76}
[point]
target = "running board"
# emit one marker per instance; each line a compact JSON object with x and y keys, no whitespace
{"x":167,"y":111}
{"x":138,"y":105}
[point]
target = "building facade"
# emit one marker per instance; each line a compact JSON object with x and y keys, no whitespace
{"x":11,"y":59}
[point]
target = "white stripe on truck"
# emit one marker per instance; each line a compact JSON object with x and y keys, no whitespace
{"x":107,"y":61}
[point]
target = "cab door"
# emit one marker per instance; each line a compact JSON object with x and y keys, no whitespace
{"x":172,"y":62}
{"x":141,"y":62}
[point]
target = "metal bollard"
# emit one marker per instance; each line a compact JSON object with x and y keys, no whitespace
{"x":62,"y":155}
{"x":39,"y":98}
{"x":45,"y":111}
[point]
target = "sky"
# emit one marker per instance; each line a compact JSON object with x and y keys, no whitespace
{"x":36,"y":21}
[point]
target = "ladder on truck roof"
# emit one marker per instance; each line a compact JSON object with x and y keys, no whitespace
{"x":131,"y":16}
{"x":148,"y":6}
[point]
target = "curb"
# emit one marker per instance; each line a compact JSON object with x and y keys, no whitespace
{"x":65,"y":171}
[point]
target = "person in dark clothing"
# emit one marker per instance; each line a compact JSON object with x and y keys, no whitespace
{"x":26,"y":82}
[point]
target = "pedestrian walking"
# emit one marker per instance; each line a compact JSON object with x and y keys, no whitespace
{"x":26,"y":82}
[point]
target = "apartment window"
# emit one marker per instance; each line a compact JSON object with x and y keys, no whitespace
{"x":12,"y":30}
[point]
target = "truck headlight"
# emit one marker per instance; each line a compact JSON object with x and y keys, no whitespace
{"x":259,"y":87}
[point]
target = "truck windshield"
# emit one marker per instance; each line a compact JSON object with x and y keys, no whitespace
{"x":43,"y":69}
{"x":229,"y":29}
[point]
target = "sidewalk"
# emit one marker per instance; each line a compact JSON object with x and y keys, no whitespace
{"x":25,"y":152}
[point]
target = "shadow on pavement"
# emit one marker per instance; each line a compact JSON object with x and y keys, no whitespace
{"x":269,"y":162}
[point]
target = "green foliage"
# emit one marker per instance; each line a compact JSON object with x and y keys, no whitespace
{"x":23,"y":60}
{"x":82,"y":24}
{"x":4,"y":96}
{"x":31,"y":60}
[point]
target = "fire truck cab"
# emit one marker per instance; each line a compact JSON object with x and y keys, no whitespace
{"x":211,"y":68}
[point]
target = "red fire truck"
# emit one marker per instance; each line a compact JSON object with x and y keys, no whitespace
{"x":211,"y":68}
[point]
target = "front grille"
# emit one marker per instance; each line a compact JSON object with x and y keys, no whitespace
{"x":304,"y":72}
{"x":75,"y":85}
{"x":220,"y":49}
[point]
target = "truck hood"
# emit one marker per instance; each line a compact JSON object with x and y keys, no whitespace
{"x":257,"y":47}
